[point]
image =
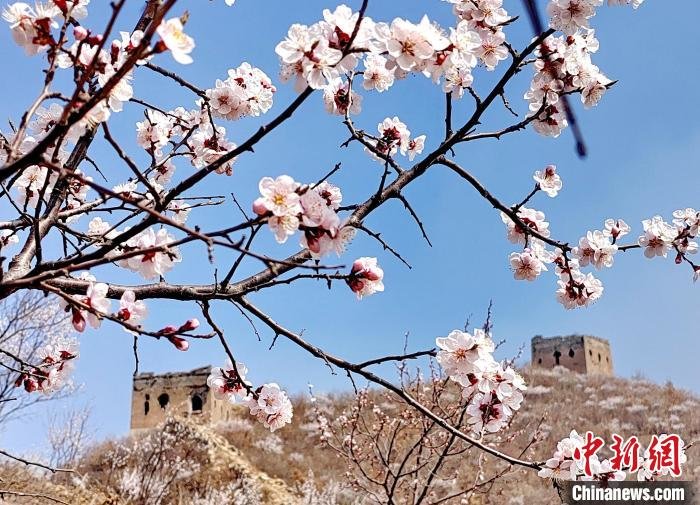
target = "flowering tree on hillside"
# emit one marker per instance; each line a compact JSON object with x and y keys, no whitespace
{"x":33,"y":330}
{"x":69,"y":223}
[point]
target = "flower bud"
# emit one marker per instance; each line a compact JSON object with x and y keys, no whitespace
{"x":259,"y":207}
{"x":180,"y":343}
{"x":168,"y":330}
{"x":95,"y":40}
{"x":80,"y":33}
{"x":78,"y":321}
{"x":191,"y":324}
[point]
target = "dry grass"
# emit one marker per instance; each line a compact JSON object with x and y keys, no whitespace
{"x":292,"y":465}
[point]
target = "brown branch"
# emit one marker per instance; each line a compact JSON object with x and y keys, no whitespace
{"x":22,"y":494}
{"x":27,"y":462}
{"x":401,"y":393}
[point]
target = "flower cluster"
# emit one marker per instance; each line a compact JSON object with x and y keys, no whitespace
{"x":268,"y":403}
{"x":317,"y":55}
{"x":680,"y":236}
{"x":31,"y":27}
{"x":570,"y":16}
{"x":576,"y":288}
{"x":92,"y":306}
{"x":565,"y":465}
{"x":597,"y":248}
{"x":206,"y":143}
{"x":159,"y":255}
{"x":228,"y":383}
{"x":564,"y":66}
{"x":532,"y":221}
{"x":531,"y":262}
{"x":568,"y":461}
{"x":486,"y":18}
{"x":395,"y":137}
{"x":247,"y":91}
{"x":321,"y":54}
{"x":365,"y":277}
{"x":56,"y":362}
{"x":494,"y":389}
{"x":290,"y":206}
{"x":271,"y":406}
{"x":34,"y":184}
{"x":658,"y":237}
{"x":649,"y":468}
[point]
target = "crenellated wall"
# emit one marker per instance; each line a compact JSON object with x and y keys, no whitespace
{"x":580,"y":353}
{"x":183,"y":394}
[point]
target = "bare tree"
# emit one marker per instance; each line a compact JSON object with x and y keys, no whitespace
{"x":68,"y":435}
{"x":396,"y":455}
{"x":29,"y":323}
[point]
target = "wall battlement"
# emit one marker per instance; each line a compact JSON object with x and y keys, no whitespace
{"x":580,"y":353}
{"x":184,"y":394}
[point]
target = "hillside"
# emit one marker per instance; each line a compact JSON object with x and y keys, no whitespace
{"x":239,"y":462}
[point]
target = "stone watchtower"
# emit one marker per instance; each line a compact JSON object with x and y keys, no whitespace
{"x":183,"y":394}
{"x":580,"y":353}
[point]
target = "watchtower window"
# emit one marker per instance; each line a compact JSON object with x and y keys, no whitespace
{"x":557,"y":355}
{"x":590,"y":353}
{"x":599,"y":358}
{"x":607,"y":359}
{"x":539,"y":361}
{"x":197,"y":403}
{"x":146,"y":407}
{"x":163,"y":400}
{"x":571,"y":352}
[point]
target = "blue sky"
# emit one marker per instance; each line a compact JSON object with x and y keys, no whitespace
{"x":643,"y":141}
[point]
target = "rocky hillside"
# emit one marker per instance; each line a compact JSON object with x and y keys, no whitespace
{"x":240,"y":463}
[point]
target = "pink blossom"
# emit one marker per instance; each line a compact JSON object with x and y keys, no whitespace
{"x":228,"y":383}
{"x":658,"y":237}
{"x":462,"y":354}
{"x":279,"y":195}
{"x":154,"y":263}
{"x":174,"y":38}
{"x":616,"y":228}
{"x":271,"y":407}
{"x":131,"y":310}
{"x":95,"y":299}
{"x":533,"y":219}
{"x":366,"y":277}
{"x":548,"y":180}
{"x":597,"y":249}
